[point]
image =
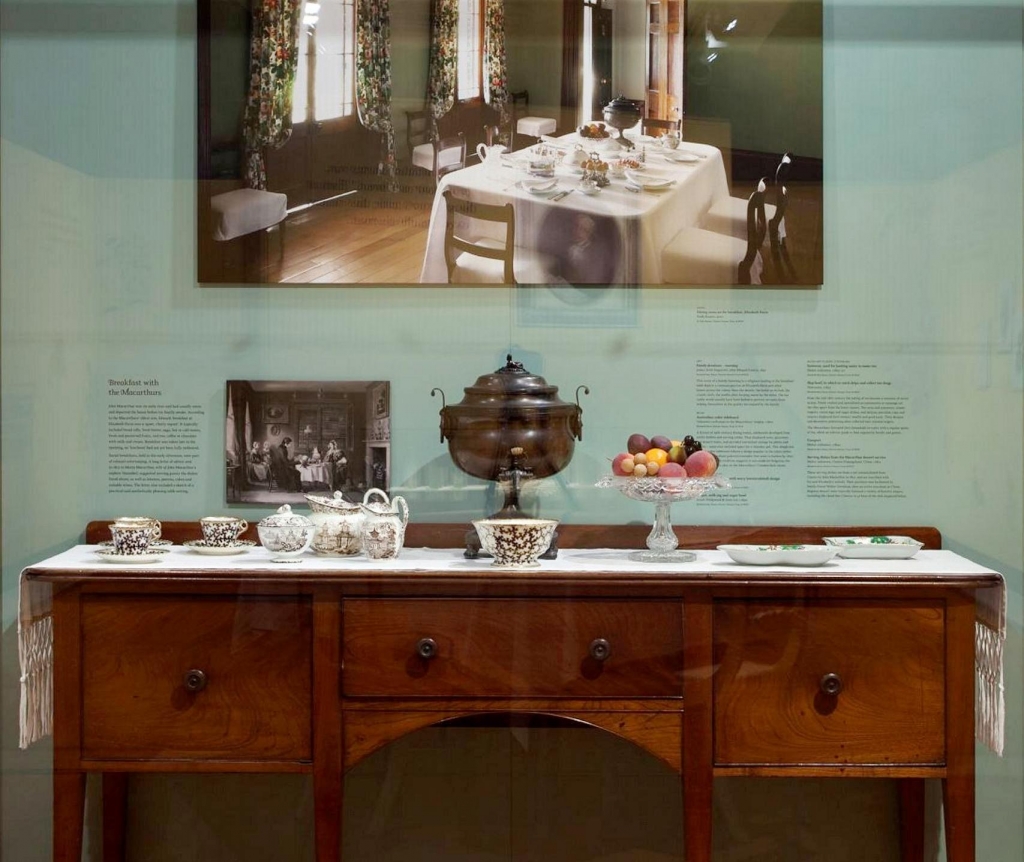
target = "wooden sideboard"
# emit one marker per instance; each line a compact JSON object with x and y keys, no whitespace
{"x":716,"y":673}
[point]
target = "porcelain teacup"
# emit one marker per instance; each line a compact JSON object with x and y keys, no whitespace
{"x":220,"y":531}
{"x":131,"y":539}
{"x":133,"y":521}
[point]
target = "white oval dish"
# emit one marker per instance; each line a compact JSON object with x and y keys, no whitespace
{"x":874,"y":547}
{"x":780,"y":555}
{"x":681,"y":156}
{"x":151,"y":556}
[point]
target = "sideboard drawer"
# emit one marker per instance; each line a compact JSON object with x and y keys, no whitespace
{"x":250,"y":700}
{"x":512,"y":648}
{"x":829,"y":682}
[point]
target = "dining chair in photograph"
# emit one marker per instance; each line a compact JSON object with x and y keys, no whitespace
{"x":784,"y":271}
{"x":483,"y":260}
{"x":439,"y":156}
{"x":699,"y":256}
{"x":729,"y":215}
{"x":528,"y":126}
{"x":656,"y":128}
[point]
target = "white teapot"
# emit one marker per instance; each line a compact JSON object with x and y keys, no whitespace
{"x":491,"y":156}
{"x":383,"y":530}
{"x":575,"y":157}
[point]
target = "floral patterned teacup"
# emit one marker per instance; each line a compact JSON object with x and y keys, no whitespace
{"x":131,"y":539}
{"x":220,"y":531}
{"x":154,"y":525}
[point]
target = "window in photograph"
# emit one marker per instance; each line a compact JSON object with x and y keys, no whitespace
{"x":325,"y":74}
{"x":470,"y":49}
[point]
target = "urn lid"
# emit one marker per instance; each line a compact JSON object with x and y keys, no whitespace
{"x":624,"y":105}
{"x":285,"y":517}
{"x":512,"y":386}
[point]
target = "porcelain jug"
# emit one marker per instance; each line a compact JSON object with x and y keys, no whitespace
{"x":490,"y":156}
{"x":575,"y":157}
{"x":383,"y":532}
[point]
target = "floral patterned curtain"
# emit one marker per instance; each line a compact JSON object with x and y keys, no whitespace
{"x":373,"y":76}
{"x":495,"y":65}
{"x":444,"y":57}
{"x":273,"y":56}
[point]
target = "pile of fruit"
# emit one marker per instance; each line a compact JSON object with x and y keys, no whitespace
{"x":594,"y":130}
{"x":668,"y":459}
{"x":596,"y":165}
{"x":630,"y":164}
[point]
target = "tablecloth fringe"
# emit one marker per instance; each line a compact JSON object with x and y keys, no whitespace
{"x":35,"y":651}
{"x":989,"y":696}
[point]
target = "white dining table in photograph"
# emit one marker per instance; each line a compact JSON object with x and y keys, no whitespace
{"x":622,"y":228}
{"x":314,"y":473}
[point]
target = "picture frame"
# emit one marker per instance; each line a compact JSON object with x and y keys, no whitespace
{"x":275,"y":411}
{"x":379,"y":401}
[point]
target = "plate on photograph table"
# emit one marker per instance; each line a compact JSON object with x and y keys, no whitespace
{"x":151,"y":556}
{"x":649,"y":182}
{"x":545,"y":186}
{"x":874,"y":547}
{"x":780,"y":555}
{"x":154,"y":543}
{"x":681,"y":156}
{"x":239,"y":546}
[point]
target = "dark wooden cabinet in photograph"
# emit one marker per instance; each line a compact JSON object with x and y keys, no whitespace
{"x":715,"y":673}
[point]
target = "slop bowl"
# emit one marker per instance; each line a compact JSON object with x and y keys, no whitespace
{"x":515,"y":542}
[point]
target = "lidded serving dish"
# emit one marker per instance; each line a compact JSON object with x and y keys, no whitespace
{"x":286,"y":534}
{"x":337,"y":524}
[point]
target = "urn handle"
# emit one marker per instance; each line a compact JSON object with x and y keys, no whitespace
{"x":443,"y":413}
{"x":576,"y":422}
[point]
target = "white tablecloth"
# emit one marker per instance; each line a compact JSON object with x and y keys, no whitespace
{"x":35,"y":631}
{"x":635,"y":225}
{"x":314,"y":473}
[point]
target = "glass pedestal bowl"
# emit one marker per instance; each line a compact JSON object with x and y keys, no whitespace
{"x":662,"y":542}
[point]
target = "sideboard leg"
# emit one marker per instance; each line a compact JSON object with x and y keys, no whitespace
{"x":115,"y":811}
{"x":911,"y":792}
{"x":327,"y":727}
{"x":698,"y":754}
{"x":958,"y":785}
{"x":68,"y":815}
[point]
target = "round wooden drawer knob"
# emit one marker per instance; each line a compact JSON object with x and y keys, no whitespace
{"x":831,"y":684}
{"x":195,"y":680}
{"x":600,"y":649}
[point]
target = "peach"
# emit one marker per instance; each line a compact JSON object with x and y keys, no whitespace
{"x":617,"y":467}
{"x":672,"y":470}
{"x":701,"y":463}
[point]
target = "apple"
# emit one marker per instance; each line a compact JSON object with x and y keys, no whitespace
{"x":637,"y":443}
{"x":672,"y":470}
{"x":677,"y":454}
{"x":659,"y":442}
{"x":701,"y":463}
{"x":617,"y":467}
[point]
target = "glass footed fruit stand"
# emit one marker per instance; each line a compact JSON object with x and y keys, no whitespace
{"x":662,"y":542}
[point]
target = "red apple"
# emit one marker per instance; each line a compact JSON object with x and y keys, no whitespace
{"x":701,"y":463}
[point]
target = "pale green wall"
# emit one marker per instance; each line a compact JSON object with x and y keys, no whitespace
{"x":923,"y":275}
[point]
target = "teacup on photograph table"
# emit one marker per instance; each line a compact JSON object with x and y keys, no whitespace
{"x":131,"y":539}
{"x":219,"y":531}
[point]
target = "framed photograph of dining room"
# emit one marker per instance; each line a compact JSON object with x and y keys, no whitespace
{"x":573,"y":142}
{"x":287,"y":438}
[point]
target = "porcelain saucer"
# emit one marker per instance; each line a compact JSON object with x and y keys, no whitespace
{"x":150,"y":556}
{"x":239,"y":546}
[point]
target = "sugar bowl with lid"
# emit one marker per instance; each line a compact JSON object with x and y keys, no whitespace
{"x":286,"y":534}
{"x":338,"y":525}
